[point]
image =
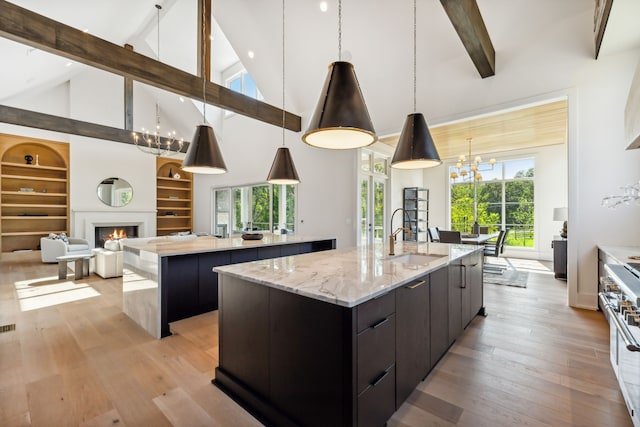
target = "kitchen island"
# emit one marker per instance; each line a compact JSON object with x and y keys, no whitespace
{"x":341,"y":338}
{"x":171,"y":278}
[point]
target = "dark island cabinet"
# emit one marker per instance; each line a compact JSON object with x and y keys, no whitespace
{"x":376,"y":360}
{"x":298,"y":361}
{"x":465,"y":293}
{"x":475,"y":264}
{"x":439,"y":315}
{"x":456,"y":284}
{"x":189,"y":286}
{"x":412,"y":336}
{"x":208,"y":279}
{"x":185,"y":297}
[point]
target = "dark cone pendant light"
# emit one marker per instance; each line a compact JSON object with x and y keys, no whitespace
{"x":415,"y":149}
{"x":203,"y":155}
{"x":341,"y":120}
{"x":283,"y":171}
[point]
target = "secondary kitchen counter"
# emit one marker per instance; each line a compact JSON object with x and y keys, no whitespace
{"x":343,"y":337}
{"x":170,"y":278}
{"x":349,"y":276}
{"x":183,"y":245}
{"x":621,"y":254}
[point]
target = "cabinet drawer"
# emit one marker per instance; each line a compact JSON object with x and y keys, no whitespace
{"x":377,"y":403}
{"x":375,"y":310}
{"x":376,"y":351}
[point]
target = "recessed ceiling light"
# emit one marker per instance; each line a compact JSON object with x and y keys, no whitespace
{"x":86,"y":30}
{"x":181,"y":99}
{"x":68,"y":64}
{"x":324,"y":6}
{"x":251,"y":54}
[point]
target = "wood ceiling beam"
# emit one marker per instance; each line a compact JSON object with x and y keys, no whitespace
{"x":601,"y":18}
{"x":33,"y":119}
{"x":204,"y":39}
{"x":467,"y":20}
{"x":27,"y":27}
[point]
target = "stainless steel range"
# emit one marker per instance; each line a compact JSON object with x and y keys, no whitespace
{"x":620,"y":300}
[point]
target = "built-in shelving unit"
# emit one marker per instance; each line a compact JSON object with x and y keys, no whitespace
{"x":34,"y":198}
{"x":416,"y":204}
{"x":174,"y":197}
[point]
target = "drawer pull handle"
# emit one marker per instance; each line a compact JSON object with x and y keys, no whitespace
{"x":380,"y":378}
{"x":416,"y":285}
{"x":464,"y":276}
{"x":380,"y":323}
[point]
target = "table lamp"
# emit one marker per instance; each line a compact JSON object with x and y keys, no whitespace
{"x":560,"y":214}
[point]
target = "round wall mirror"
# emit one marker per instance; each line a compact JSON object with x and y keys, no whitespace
{"x":115,"y":192}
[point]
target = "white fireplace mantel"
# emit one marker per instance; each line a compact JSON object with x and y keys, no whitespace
{"x":85,"y":222}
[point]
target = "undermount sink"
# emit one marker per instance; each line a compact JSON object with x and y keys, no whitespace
{"x":413,"y":258}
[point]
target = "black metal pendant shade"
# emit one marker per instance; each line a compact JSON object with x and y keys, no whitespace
{"x":283,"y":171}
{"x":203,"y":155}
{"x":341,"y":120}
{"x":415,"y":149}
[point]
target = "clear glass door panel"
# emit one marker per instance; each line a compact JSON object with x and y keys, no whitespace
{"x":378,"y":210}
{"x":365,"y":222}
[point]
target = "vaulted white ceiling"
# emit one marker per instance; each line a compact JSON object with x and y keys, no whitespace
{"x":376,"y":37}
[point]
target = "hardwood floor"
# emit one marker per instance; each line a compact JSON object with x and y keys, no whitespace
{"x":76,"y":359}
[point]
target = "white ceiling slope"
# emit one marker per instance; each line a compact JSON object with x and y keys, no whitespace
{"x":376,"y":37}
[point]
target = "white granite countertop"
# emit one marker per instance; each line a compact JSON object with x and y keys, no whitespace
{"x":622,"y":253}
{"x":348,"y":276}
{"x":182,"y":245}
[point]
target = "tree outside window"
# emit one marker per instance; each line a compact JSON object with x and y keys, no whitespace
{"x":505,"y":200}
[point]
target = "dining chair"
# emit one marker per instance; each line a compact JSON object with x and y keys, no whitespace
{"x":434,"y":236}
{"x":494,"y":249}
{"x":447,"y":236}
{"x":497,"y":247}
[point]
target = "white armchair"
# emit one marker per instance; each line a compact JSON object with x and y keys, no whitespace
{"x":50,"y":249}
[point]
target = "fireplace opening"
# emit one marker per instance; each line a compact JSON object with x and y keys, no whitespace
{"x":114,"y":232}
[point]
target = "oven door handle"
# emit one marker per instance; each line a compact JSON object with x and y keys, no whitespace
{"x":629,"y":341}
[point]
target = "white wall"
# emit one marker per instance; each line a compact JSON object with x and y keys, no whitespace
{"x":98,"y":97}
{"x":551,"y":189}
{"x":327,"y":193}
{"x":600,"y":164}
{"x":53,"y":100}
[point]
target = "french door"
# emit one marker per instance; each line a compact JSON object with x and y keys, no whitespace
{"x":373,"y":196}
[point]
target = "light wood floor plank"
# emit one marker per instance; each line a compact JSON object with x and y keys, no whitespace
{"x":181,"y":410}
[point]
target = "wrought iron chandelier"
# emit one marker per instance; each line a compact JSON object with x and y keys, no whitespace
{"x":154,"y":143}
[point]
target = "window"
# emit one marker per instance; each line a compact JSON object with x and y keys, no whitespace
{"x":243,"y":83}
{"x":260,"y":207}
{"x":505,"y":199}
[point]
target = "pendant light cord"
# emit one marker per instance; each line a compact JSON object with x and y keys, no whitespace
{"x":283,"y":112}
{"x":204,"y":79}
{"x":414,"y":55}
{"x":339,"y":30}
{"x":158,"y":39}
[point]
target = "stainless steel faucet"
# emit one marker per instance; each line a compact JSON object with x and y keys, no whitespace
{"x":392,"y":236}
